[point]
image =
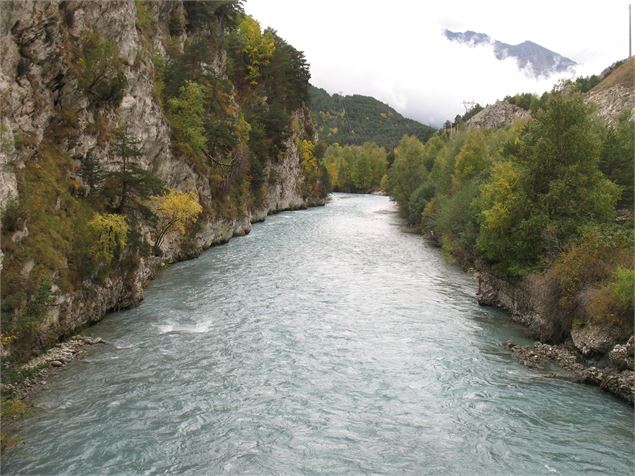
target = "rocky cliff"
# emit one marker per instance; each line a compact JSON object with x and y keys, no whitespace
{"x":53,"y":118}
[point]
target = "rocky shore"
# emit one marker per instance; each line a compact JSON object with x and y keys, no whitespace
{"x":597,"y":355}
{"x":616,"y":376}
{"x":46,"y":365}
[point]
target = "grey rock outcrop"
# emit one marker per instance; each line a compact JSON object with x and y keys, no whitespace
{"x":499,"y":114}
{"x":621,"y":357}
{"x":615,"y":93}
{"x":613,"y":101}
{"x":595,"y":340}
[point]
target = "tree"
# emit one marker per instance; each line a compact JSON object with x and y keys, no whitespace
{"x":433,"y":147}
{"x":502,"y":237}
{"x":419,"y":199}
{"x":187,"y":115}
{"x":378,"y":162}
{"x":354,"y":168}
{"x":616,"y":158}
{"x":99,"y":70}
{"x":408,"y":170}
{"x":128,"y":182}
{"x":534,"y":206}
{"x":257,"y":47}
{"x":313,"y":168}
{"x":361,"y":172}
{"x":91,"y":171}
{"x":109,"y":232}
{"x":286,"y":74}
{"x":176,"y":210}
{"x":200,"y":15}
{"x":472,"y":160}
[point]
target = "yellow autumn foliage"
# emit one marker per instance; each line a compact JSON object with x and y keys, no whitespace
{"x":176,"y":210}
{"x":258,"y":47}
{"x":109,"y":235}
{"x":306,"y":150}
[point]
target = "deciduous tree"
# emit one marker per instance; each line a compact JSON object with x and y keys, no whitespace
{"x":109,"y":233}
{"x":176,"y":210}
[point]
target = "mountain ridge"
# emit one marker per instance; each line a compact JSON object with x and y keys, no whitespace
{"x":530,"y":56}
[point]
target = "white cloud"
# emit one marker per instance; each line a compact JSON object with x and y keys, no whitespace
{"x":396,"y":52}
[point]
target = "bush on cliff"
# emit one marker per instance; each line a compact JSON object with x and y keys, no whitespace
{"x":99,"y":70}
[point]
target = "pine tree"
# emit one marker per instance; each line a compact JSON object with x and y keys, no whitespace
{"x":129,"y":182}
{"x":91,"y":171}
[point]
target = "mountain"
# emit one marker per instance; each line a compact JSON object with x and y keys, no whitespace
{"x":530,"y":56}
{"x":357,"y":119}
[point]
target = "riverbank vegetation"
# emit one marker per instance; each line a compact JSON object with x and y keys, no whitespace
{"x":552,"y":194}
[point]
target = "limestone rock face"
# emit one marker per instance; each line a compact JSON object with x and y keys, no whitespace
{"x":38,"y":45}
{"x":523,"y":299}
{"x":37,"y":86}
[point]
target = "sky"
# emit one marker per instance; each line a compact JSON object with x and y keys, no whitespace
{"x":395,"y":51}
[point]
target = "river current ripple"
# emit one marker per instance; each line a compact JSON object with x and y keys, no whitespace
{"x":326,"y":341}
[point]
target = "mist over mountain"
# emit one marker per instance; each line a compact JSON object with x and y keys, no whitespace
{"x":531,"y":57}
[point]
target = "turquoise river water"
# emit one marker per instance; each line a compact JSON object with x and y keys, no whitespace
{"x":328,"y":341}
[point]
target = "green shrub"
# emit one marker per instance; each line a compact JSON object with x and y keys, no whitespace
{"x":621,"y":286}
{"x":109,"y":233}
{"x":418,"y":201}
{"x":457,"y":219}
{"x":590,"y":260}
{"x":613,"y":301}
{"x":144,"y":19}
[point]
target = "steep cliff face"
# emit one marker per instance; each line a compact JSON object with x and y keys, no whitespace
{"x":52,"y":120}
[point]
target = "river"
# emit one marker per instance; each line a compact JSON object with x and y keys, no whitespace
{"x":326,"y":341}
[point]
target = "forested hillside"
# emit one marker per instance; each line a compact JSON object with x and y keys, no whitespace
{"x":358,"y":119}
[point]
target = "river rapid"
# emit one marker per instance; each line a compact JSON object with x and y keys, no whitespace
{"x":326,"y":341}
